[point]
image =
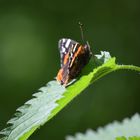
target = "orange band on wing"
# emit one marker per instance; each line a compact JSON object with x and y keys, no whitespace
{"x":66,"y":58}
{"x":59,"y":75}
{"x":80,"y":50}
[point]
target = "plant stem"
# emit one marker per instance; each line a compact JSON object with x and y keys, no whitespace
{"x":128,"y":67}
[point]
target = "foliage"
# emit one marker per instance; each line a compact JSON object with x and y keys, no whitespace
{"x":50,"y":99}
{"x":127,"y":129}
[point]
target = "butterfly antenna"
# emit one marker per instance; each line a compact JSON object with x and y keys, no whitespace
{"x":82,"y":33}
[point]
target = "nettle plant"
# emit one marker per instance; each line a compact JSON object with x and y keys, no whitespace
{"x":53,"y":97}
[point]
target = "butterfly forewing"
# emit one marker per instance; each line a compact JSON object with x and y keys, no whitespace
{"x":65,"y":45}
{"x":74,"y":57}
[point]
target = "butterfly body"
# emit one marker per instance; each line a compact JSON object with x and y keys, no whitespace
{"x":74,"y":57}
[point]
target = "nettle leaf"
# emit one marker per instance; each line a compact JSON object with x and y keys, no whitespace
{"x":50,"y":99}
{"x":129,"y":129}
{"x":130,"y":138}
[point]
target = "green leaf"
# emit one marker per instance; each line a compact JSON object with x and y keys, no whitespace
{"x":129,"y":128}
{"x":130,"y":138}
{"x":50,"y":99}
{"x":121,"y":138}
{"x":134,"y":138}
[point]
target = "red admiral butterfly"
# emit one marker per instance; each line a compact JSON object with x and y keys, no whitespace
{"x":74,"y":57}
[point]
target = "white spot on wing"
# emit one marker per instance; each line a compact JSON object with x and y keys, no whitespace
{"x":63,"y":40}
{"x":74,"y":47}
{"x":63,"y":49}
{"x":67,"y":43}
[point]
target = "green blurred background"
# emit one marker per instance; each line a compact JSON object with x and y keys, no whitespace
{"x":29,"y":58}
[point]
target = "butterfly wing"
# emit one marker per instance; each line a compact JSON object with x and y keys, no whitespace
{"x":74,"y":57}
{"x":65,"y":45}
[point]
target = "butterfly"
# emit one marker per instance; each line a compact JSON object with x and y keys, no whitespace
{"x":73,"y":57}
